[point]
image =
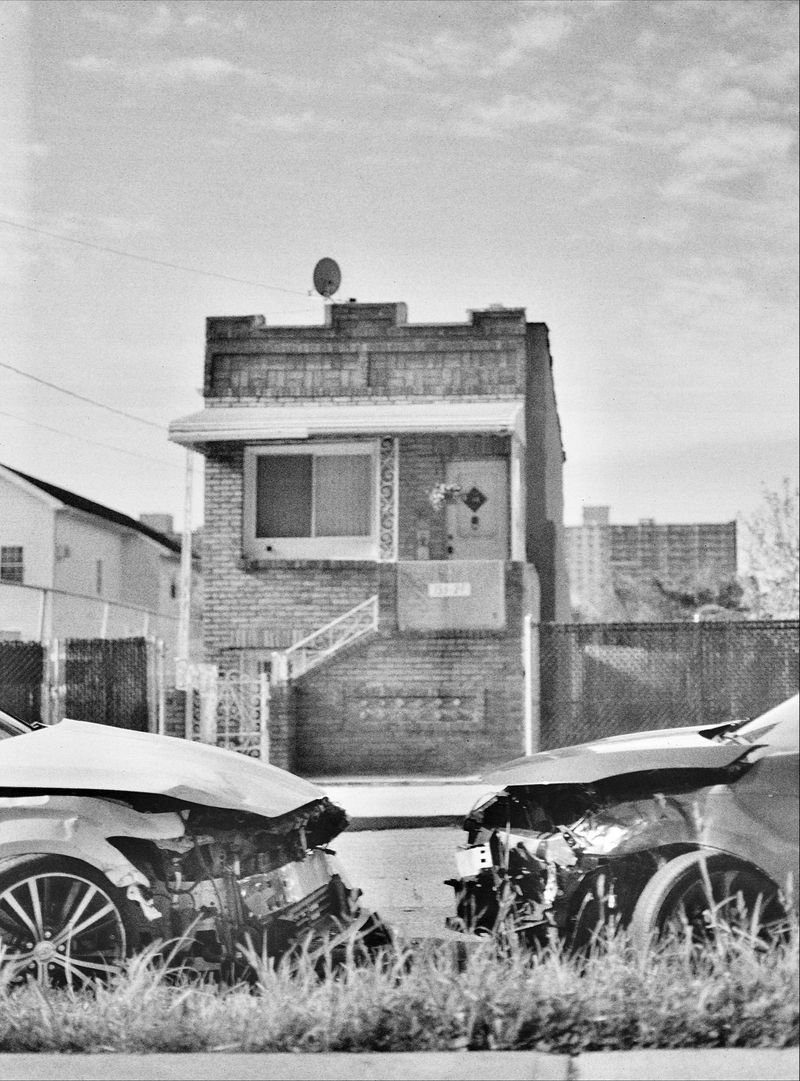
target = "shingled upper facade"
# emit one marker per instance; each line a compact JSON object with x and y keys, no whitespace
{"x":372,"y":458}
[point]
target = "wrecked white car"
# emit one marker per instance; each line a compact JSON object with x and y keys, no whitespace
{"x":654,"y":830}
{"x":111,"y":839}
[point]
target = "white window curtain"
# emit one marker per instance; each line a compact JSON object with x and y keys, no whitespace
{"x":342,"y":495}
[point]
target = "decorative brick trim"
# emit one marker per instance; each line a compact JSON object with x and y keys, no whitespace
{"x":389,"y":491}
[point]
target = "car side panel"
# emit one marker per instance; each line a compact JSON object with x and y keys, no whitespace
{"x":78,"y":827}
{"x":756,"y":822}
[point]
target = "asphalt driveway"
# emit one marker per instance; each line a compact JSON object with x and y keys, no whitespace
{"x":402,"y":875}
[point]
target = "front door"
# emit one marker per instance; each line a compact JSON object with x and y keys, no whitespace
{"x":477,"y":522}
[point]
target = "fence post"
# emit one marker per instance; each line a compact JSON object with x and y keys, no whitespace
{"x":263,"y":717}
{"x":209,"y":699}
{"x":188,"y":708}
{"x":527,"y":688}
{"x":46,"y":617}
{"x":150,"y":679}
{"x":533,"y":695}
{"x":55,"y":666}
{"x":279,"y":667}
{"x":161,"y":694}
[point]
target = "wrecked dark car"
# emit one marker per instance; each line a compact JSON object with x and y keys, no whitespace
{"x":111,"y":840}
{"x":650,"y":831}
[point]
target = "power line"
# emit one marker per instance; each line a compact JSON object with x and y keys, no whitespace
{"x":154,"y":262}
{"x":82,"y":398}
{"x":94,"y":442}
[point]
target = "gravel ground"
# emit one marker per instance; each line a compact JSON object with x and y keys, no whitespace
{"x":402,"y":875}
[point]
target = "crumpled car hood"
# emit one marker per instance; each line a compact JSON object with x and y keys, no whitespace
{"x":585,"y":763}
{"x":78,"y":755}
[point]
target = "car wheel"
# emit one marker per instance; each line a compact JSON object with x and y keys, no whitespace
{"x":695,"y":892}
{"x":62,"y":922}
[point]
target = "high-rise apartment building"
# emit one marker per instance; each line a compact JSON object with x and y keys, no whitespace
{"x":598,"y":553}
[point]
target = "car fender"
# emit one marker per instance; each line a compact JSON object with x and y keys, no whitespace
{"x":712,"y":818}
{"x":79,"y":827}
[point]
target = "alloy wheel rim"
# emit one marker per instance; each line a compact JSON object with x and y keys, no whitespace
{"x":61,"y":927}
{"x":734,"y":899}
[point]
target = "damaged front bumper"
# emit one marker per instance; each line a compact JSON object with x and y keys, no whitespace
{"x":514,"y":882}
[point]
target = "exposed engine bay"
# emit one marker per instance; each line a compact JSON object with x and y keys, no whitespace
{"x":209,"y":883}
{"x":560,"y":859}
{"x":276,"y":885}
{"x":112,"y":839}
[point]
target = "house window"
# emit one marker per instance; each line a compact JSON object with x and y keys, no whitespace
{"x":12,"y":567}
{"x":311,"y":502}
{"x":98,"y":577}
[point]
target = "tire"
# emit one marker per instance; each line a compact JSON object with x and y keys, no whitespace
{"x":62,"y":923}
{"x":695,"y":892}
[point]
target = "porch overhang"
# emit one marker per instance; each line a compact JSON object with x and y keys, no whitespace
{"x":265,"y":423}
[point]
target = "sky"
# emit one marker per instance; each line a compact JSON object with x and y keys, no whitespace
{"x":625,"y":171}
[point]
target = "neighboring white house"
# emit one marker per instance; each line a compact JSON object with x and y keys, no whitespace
{"x":72,"y":568}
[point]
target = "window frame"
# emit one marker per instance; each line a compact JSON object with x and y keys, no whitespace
{"x":9,"y":564}
{"x":357,"y":547}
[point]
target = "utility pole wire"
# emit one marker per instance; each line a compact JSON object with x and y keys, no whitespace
{"x":94,"y":442}
{"x":83,"y":398}
{"x":154,"y":262}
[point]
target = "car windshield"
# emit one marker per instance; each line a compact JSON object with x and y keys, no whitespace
{"x":10,"y":726}
{"x":760,"y":729}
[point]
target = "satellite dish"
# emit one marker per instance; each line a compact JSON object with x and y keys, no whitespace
{"x":327,"y":277}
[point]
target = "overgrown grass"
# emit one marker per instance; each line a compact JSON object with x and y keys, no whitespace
{"x":733,"y":993}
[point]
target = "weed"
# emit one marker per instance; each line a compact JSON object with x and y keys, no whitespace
{"x":733,"y":993}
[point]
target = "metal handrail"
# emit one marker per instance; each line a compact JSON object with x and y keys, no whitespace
{"x":324,"y":642}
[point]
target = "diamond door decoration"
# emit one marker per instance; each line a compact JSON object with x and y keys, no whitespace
{"x":475,"y":499}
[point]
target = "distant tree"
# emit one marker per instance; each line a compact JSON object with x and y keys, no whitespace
{"x":639,"y":600}
{"x":661,"y":600}
{"x":773,"y":586}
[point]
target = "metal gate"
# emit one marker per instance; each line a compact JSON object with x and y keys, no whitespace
{"x":229,"y":709}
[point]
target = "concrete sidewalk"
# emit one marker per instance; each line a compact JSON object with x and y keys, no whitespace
{"x":685,"y":1065}
{"x":375,"y":803}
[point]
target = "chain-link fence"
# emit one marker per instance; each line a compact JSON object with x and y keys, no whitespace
{"x":603,"y":679}
{"x":106,"y":681}
{"x":21,"y":678}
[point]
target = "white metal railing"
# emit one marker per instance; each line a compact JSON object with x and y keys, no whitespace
{"x":288,"y":664}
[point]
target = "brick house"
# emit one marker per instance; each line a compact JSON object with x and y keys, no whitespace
{"x":410,"y":470}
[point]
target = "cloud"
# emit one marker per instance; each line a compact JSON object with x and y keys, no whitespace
{"x":101,"y":227}
{"x":192,"y":68}
{"x":149,"y":21}
{"x":291,"y":123}
{"x":92,"y":64}
{"x":542,"y":31}
{"x":509,"y":112}
{"x":159,"y":21}
{"x":110,"y":18}
{"x":739,"y":158}
{"x":445,"y":52}
{"x":543,"y":27}
{"x":14,"y":148}
{"x":180,"y":69}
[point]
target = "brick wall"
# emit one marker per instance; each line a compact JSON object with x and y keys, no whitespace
{"x":544,"y":488}
{"x":288,"y":595}
{"x":416,"y":703}
{"x":366,"y":352}
{"x":286,"y":599}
